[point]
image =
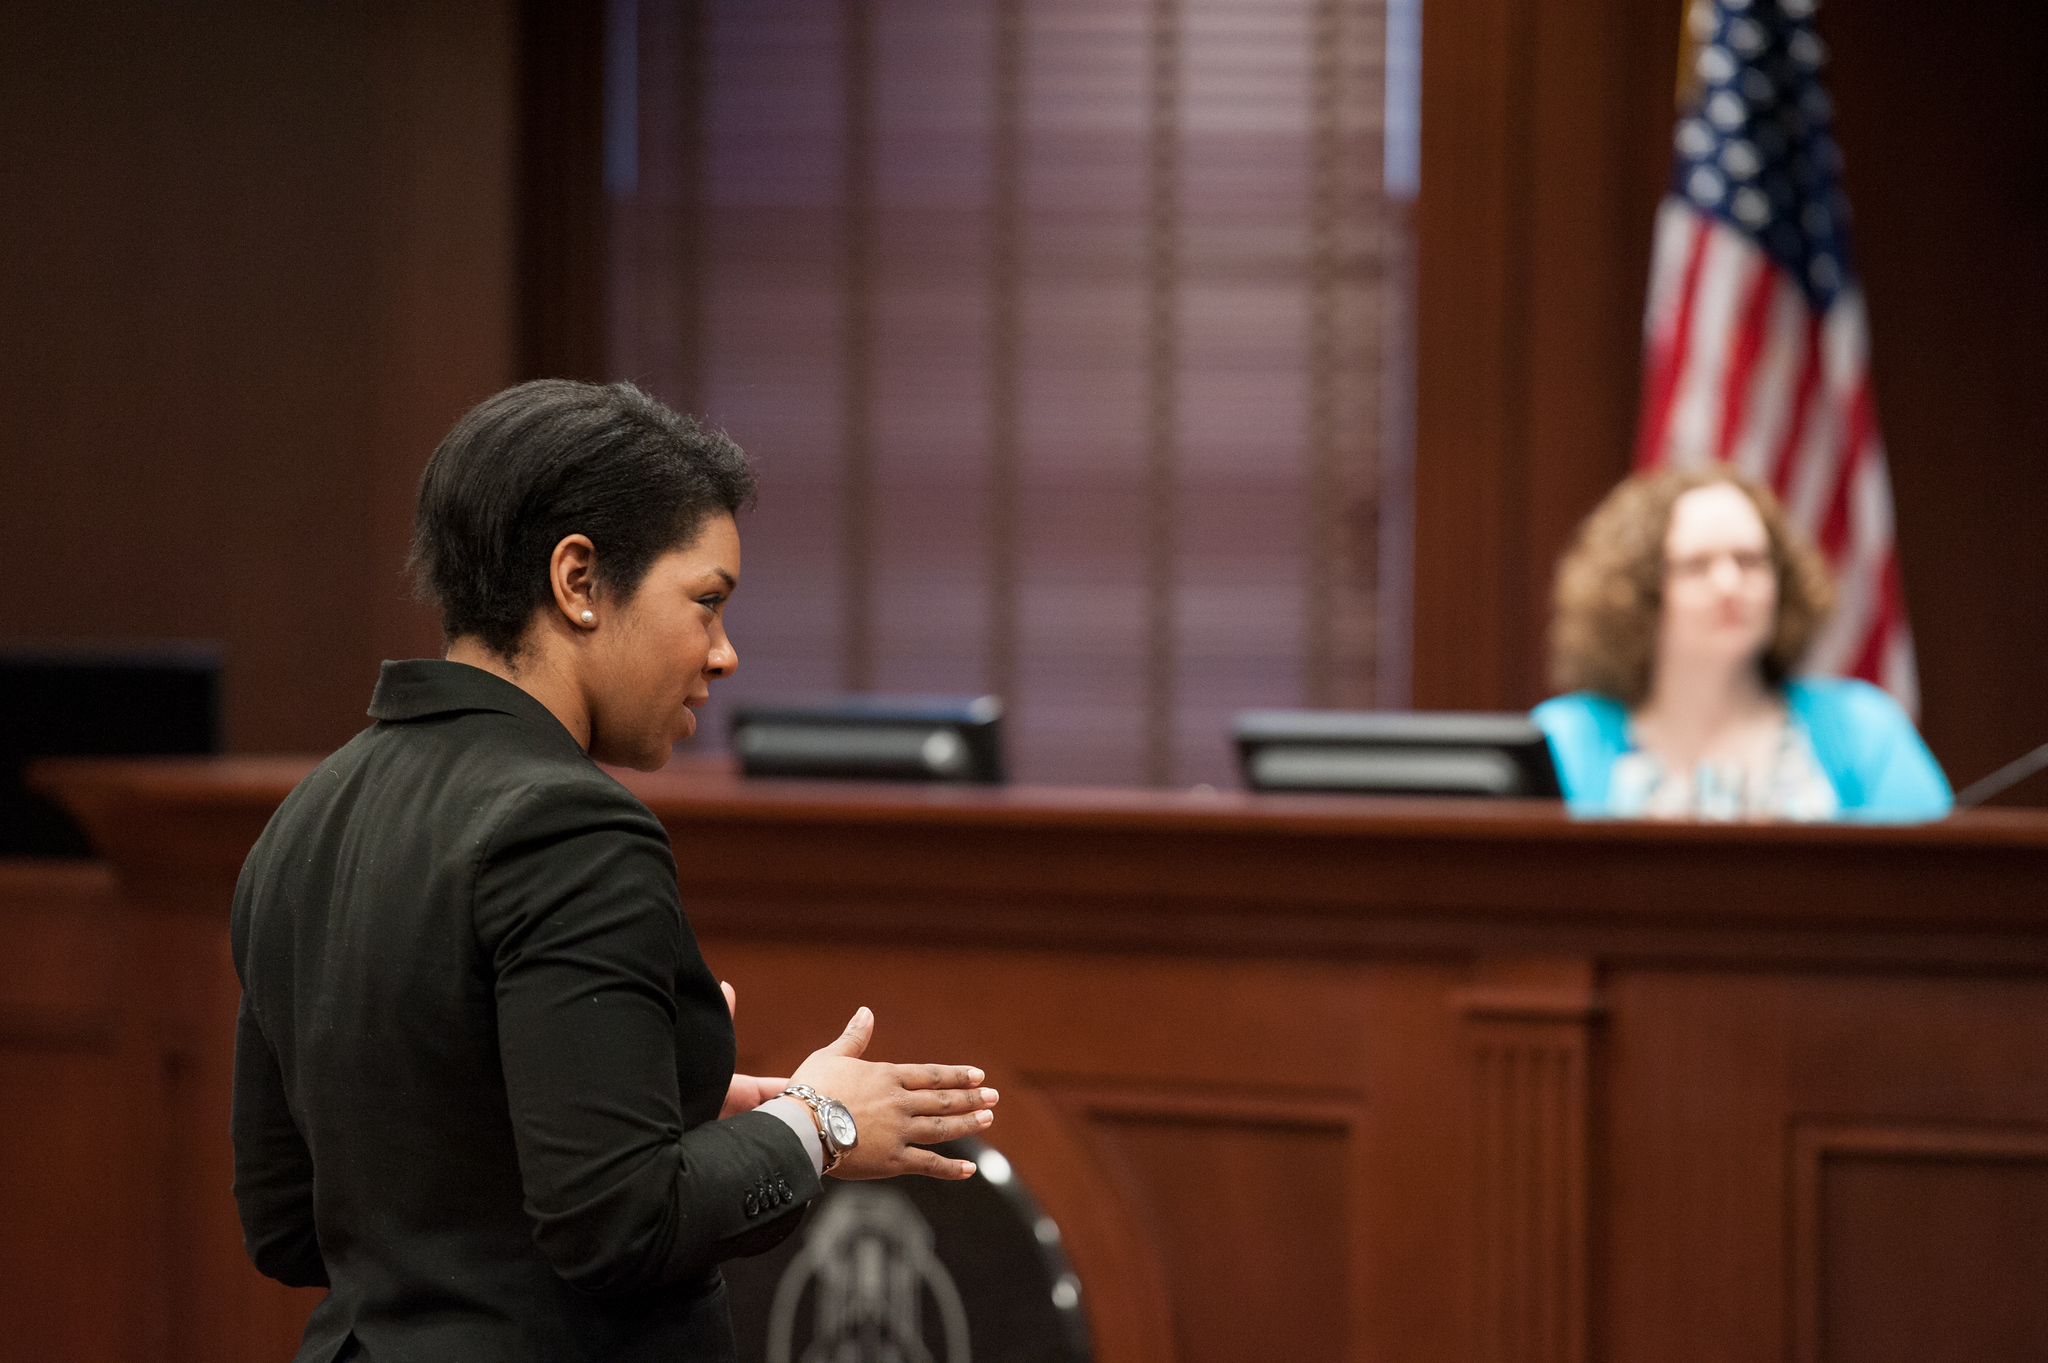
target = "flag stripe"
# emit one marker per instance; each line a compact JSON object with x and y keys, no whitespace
{"x":1661,"y":376}
{"x":1748,"y":344}
{"x":1774,"y":388}
{"x":1730,"y":261}
{"x":1785,"y":464}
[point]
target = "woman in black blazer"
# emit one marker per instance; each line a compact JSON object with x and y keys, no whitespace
{"x":484,"y":1083}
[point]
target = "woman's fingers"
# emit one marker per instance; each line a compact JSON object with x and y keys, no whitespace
{"x":938,"y":1102}
{"x":932,"y":1130}
{"x":934,"y":1165}
{"x":938,"y":1076}
{"x":732,"y":998}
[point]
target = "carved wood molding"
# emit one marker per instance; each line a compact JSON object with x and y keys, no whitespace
{"x":1528,"y":1036}
{"x":1340,"y":1110}
{"x":1124,"y":1288}
{"x":158,"y":1056}
{"x":1814,"y":1142}
{"x":1103,"y":1114}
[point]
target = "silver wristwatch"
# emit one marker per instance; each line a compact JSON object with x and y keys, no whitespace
{"x":835,"y":1123}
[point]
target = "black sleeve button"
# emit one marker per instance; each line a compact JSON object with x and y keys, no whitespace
{"x":753,"y":1205}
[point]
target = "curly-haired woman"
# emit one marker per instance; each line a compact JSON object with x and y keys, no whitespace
{"x":1679,"y":614}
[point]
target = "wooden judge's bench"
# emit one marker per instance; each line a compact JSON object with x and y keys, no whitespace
{"x":1298,"y":1078}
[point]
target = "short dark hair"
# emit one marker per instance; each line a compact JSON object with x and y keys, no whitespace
{"x":553,"y":458}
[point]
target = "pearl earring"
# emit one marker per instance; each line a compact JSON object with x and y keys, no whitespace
{"x":590,"y":617}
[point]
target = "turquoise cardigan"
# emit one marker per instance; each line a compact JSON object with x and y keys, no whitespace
{"x":1881,"y":770}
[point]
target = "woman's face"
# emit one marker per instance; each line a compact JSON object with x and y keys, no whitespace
{"x":658,"y":652}
{"x":1720,"y":587}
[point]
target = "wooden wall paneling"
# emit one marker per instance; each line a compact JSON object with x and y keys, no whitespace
{"x":444,"y":330}
{"x":1250,"y":1202}
{"x":1913,"y":1241}
{"x":1765,"y":1112}
{"x":1471,"y":296}
{"x":562,"y":224}
{"x":186,"y":1290}
{"x":1545,"y":145}
{"x":267,"y":265}
{"x":194,"y":1295}
{"x":1529,"y":1037}
{"x":257,"y":263}
{"x":186,"y":296}
{"x":1599,"y":148}
{"x":1945,"y":145}
{"x":183,"y":1291}
{"x":1213,"y":1190}
{"x":61,"y":1220}
{"x":1123,"y":1282}
{"x":1414,"y":1000}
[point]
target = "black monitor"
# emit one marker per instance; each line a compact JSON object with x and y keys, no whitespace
{"x":124,"y":700}
{"x":874,"y":738}
{"x":1396,"y":752}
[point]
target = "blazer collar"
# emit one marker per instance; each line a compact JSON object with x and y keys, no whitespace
{"x":419,"y":687}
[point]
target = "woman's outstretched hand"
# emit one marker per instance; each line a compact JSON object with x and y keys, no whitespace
{"x":747,"y":1091}
{"x":896,"y":1105}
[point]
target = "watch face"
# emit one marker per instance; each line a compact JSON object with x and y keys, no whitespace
{"x":839,"y":1122}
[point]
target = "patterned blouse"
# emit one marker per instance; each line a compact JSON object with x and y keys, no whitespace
{"x":1793,"y":787}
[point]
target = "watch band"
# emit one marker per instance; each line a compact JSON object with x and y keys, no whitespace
{"x":816,"y":1101}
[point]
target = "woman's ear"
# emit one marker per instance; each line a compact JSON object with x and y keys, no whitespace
{"x":572,"y":575}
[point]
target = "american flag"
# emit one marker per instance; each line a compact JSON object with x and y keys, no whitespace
{"x":1756,"y":342}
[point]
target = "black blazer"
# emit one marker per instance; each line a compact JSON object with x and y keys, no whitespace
{"x":479,"y":1058}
